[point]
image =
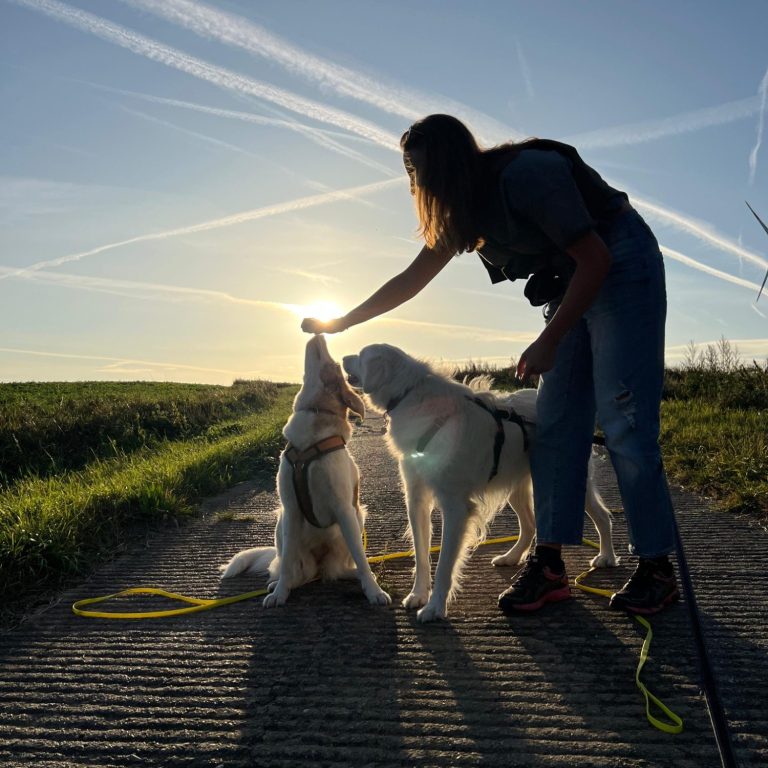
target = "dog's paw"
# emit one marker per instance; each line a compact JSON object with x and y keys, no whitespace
{"x":431,"y":612}
{"x":604,"y":561}
{"x":415,"y":600}
{"x":274,"y":599}
{"x":271,"y":586}
{"x":513,"y":557}
{"x":378,"y":597}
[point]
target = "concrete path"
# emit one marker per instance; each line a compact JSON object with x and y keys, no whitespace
{"x":330,"y":681}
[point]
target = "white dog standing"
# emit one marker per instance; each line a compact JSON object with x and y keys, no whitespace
{"x":444,"y":436}
{"x":320,"y":522}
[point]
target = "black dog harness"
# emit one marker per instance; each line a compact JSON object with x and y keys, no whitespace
{"x":300,"y":461}
{"x":500,"y":415}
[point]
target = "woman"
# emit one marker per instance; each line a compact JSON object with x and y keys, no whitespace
{"x":536,"y":209}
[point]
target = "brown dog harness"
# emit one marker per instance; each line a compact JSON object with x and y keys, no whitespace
{"x":300,"y":461}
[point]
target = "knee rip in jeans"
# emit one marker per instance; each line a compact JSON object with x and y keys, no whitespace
{"x":625,"y":402}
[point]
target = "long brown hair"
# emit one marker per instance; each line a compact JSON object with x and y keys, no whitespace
{"x":451,"y":176}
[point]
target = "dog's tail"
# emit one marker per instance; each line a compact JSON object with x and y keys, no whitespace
{"x":256,"y":560}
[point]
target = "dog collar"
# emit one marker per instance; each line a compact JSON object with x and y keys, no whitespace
{"x":395,"y":401}
{"x":320,"y":410}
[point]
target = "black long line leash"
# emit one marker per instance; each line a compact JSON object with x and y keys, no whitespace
{"x":715,"y":709}
{"x":709,"y":683}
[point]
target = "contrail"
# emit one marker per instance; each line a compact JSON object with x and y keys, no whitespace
{"x":226,"y":221}
{"x":650,"y":130}
{"x":313,"y":134}
{"x":242,"y":33}
{"x":763,"y":91}
{"x":688,"y":261}
{"x":248,"y":117}
{"x":219,"y":76}
{"x":696,"y":228}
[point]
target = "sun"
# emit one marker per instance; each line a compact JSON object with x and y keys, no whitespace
{"x":322,"y":310}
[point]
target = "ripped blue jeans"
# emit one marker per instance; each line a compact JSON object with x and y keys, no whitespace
{"x":610,"y":366}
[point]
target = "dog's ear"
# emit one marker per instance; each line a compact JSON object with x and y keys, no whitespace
{"x":374,"y":372}
{"x":351,"y":399}
{"x":333,"y":379}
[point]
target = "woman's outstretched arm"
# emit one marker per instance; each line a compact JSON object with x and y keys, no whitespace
{"x":398,"y":290}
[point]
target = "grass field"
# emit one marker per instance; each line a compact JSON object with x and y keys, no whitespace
{"x":97,"y":459}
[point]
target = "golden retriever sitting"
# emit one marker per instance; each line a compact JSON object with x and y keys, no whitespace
{"x":320,"y":522}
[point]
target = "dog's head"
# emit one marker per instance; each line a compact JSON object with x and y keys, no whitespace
{"x":324,"y":384}
{"x":381,"y":371}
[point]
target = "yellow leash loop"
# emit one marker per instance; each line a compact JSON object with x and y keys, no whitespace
{"x":198,"y":604}
{"x":202,"y":604}
{"x":676,"y":724}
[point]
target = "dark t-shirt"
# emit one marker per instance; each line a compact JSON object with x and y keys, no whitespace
{"x":548,"y":198}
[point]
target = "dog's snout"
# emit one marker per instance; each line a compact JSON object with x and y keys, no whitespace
{"x":350,"y":365}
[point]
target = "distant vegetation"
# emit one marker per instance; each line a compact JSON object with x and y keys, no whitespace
{"x":81,"y":464}
{"x":48,"y":428}
{"x":714,"y":424}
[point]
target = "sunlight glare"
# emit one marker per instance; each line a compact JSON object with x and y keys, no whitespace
{"x":322,"y":310}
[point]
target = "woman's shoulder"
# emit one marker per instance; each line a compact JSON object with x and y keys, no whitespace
{"x":534,"y":158}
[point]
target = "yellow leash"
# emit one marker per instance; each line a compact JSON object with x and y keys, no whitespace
{"x":202,"y":604}
{"x":676,"y":724}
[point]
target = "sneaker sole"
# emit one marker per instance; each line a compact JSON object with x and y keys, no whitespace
{"x":672,"y":598}
{"x":551,"y":597}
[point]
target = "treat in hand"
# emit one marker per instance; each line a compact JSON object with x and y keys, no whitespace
{"x":314,"y":325}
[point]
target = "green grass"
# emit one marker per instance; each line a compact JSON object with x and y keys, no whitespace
{"x":47,"y":428}
{"x":718,"y":451}
{"x":54,"y":527}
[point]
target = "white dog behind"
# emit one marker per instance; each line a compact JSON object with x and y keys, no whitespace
{"x":444,"y":442}
{"x":325,"y":541}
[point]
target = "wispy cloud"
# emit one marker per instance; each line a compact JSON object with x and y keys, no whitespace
{"x":166,"y":366}
{"x":218,"y":76}
{"x":315,"y":277}
{"x":164,"y":292}
{"x":194,"y":134}
{"x":651,"y":130}
{"x":242,"y":33}
{"x":749,"y":349}
{"x":226,"y":221}
{"x":763,"y":91}
{"x":136,"y":289}
{"x":524,"y":69}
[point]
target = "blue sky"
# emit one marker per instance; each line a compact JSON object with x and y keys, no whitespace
{"x":180,"y":181}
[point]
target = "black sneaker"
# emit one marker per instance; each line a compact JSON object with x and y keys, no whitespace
{"x":650,"y":589}
{"x":535,"y":585}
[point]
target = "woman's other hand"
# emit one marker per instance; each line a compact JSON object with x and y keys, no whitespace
{"x":313,"y":325}
{"x":538,"y":358}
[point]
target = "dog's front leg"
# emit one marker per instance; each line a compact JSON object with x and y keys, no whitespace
{"x":418,"y":499}
{"x":455,"y":515}
{"x":288,"y":539}
{"x":350,"y":529}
